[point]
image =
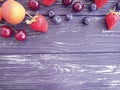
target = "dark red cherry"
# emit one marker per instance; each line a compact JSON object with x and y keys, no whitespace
{"x":20,"y":35}
{"x":67,"y":2}
{"x":34,"y":4}
{"x":78,"y":6}
{"x":6,"y":31}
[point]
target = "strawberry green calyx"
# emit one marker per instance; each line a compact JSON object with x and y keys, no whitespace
{"x":32,"y":20}
{"x":113,"y":12}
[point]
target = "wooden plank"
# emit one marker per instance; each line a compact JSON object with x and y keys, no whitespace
{"x":88,"y":71}
{"x":67,"y":38}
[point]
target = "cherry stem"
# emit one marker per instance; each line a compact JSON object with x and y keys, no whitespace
{"x":37,"y":12}
{"x":114,"y":9}
{"x":13,"y":28}
{"x":29,"y":15}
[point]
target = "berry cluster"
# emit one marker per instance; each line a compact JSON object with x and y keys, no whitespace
{"x":77,"y":6}
{"x":56,"y":18}
{"x":39,"y":23}
{"x":7,"y":31}
{"x":111,"y":18}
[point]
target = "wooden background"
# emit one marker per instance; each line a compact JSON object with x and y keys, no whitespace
{"x":69,"y":56}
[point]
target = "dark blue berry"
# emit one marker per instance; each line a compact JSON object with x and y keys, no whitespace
{"x":68,"y":17}
{"x":86,"y":20}
{"x":118,"y":5}
{"x":57,"y":19}
{"x":51,"y":13}
{"x":93,"y":7}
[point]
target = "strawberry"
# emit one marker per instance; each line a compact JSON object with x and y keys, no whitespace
{"x":100,"y":3}
{"x":38,"y":23}
{"x":112,"y":19}
{"x":48,"y":2}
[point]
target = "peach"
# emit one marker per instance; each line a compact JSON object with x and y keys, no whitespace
{"x":0,"y":13}
{"x":13,"y":12}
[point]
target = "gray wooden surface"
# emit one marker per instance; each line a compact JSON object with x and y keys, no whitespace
{"x":69,"y":56}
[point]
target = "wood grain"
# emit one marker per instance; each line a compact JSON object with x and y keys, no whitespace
{"x":69,"y":37}
{"x":60,"y":71}
{"x":69,"y":56}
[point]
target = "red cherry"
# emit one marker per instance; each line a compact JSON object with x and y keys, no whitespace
{"x":78,"y":6}
{"x":34,"y":5}
{"x":67,"y":2}
{"x":6,"y":31}
{"x":20,"y":35}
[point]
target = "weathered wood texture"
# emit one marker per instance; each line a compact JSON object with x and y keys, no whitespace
{"x":69,"y":36}
{"x":69,"y":56}
{"x":60,"y":72}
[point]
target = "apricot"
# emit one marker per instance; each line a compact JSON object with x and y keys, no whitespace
{"x":0,"y":13}
{"x":13,"y":12}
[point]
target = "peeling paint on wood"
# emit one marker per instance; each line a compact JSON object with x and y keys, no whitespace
{"x":69,"y":56}
{"x":60,"y":71}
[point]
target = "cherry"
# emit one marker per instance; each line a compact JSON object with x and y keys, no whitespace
{"x":34,"y":5}
{"x":6,"y":31}
{"x":67,"y":2}
{"x":20,"y":35}
{"x":78,"y":6}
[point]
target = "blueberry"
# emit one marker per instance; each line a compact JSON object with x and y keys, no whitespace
{"x":57,"y":19}
{"x":86,"y":20}
{"x":93,"y":7}
{"x":118,"y":5}
{"x":51,"y":13}
{"x":68,"y":17}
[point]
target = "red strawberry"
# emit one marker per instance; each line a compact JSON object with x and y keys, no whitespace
{"x":40,"y":24}
{"x":100,"y":3}
{"x":111,"y":20}
{"x":48,"y":2}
